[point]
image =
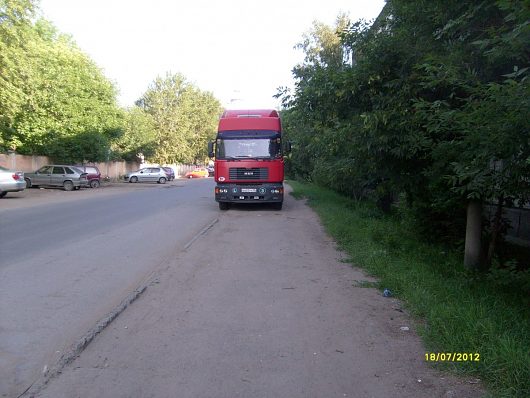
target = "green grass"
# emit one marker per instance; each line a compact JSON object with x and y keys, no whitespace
{"x":455,"y":311}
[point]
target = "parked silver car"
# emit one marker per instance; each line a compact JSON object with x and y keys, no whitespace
{"x":57,"y":175}
{"x":148,"y":174}
{"x":11,"y":181}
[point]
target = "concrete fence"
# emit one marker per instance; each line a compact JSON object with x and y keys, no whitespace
{"x":518,"y":222}
{"x":113,"y":170}
{"x":179,"y":169}
{"x":23,"y":163}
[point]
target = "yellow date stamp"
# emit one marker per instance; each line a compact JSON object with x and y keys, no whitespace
{"x":452,"y":356}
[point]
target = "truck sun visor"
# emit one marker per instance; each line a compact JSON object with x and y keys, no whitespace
{"x":249,"y":134}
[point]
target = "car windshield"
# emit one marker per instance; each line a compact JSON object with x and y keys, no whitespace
{"x":248,"y":148}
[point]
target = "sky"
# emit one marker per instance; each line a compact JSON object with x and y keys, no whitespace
{"x":241,"y":51}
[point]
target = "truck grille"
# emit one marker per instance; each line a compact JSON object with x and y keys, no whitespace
{"x":257,"y":173}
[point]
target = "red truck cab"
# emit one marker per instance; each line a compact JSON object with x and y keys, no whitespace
{"x":248,"y":165}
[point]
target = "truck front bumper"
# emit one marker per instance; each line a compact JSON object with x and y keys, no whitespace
{"x":234,"y":193}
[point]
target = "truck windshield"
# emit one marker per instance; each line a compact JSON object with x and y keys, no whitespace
{"x":248,"y":148}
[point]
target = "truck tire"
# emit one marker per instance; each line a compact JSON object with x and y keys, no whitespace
{"x":224,"y":205}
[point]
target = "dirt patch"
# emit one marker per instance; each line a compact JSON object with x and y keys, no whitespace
{"x":260,"y":305}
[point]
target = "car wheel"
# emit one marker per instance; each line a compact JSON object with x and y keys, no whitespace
{"x":94,"y":184}
{"x":224,"y":205}
{"x":28,"y":182}
{"x":277,"y":205}
{"x":133,"y":179}
{"x":68,"y":186}
{"x":2,"y":194}
{"x":162,"y":180}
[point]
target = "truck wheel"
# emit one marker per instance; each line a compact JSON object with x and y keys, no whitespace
{"x":224,"y":205}
{"x":277,"y":205}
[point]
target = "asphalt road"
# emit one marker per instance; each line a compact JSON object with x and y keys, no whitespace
{"x":67,"y":259}
{"x":255,"y":304}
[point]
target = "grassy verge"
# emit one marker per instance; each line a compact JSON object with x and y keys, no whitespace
{"x":456,"y":311}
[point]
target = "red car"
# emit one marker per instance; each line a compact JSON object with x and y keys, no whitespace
{"x":93,"y":175}
{"x":197,"y":173}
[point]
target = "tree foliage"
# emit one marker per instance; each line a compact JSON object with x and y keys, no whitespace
{"x":51,"y":93}
{"x":54,"y":100}
{"x":430,"y":101}
{"x":184,"y":117}
{"x":15,"y":26}
{"x":138,"y":136}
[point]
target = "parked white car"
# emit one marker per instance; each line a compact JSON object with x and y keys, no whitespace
{"x":11,"y":181}
{"x":148,"y":174}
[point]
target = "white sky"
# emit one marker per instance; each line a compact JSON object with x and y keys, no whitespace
{"x":236,"y":49}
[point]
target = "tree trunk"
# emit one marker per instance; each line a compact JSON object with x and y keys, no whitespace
{"x":472,"y":252}
{"x":495,"y":231}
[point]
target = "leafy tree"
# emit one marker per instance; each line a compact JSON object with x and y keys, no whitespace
{"x":139,"y":135}
{"x":184,"y":118}
{"x":49,"y":89}
{"x":88,"y":146}
{"x":204,"y":115}
{"x":15,"y":26}
{"x":67,"y":92}
{"x":428,"y":102}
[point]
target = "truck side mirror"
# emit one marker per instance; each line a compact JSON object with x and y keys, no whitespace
{"x":210,"y":149}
